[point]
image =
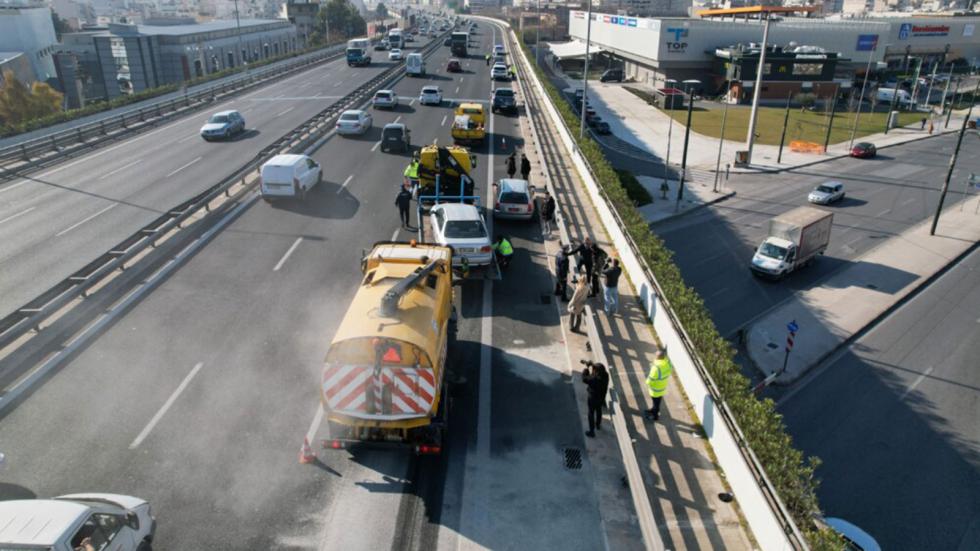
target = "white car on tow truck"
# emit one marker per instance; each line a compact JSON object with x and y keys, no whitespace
{"x":461,"y":227}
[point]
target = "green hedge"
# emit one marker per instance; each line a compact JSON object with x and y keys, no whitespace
{"x":790,"y":473}
{"x":634,"y":190}
{"x":98,"y":107}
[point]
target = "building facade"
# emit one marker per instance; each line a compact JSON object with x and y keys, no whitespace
{"x":27,"y":28}
{"x":302,"y":14}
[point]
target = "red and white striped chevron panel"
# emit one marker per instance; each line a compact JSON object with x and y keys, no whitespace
{"x":356,"y":391}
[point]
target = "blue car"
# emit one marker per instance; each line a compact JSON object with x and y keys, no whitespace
{"x":223,"y":125}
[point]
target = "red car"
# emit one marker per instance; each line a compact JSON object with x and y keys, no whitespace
{"x":864,"y":150}
{"x":454,"y":66}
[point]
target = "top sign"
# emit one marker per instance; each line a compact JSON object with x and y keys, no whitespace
{"x":908,"y":30}
{"x":792,"y":327}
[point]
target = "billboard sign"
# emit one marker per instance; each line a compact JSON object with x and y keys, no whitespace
{"x":908,"y":30}
{"x":867,"y":42}
{"x":676,"y":43}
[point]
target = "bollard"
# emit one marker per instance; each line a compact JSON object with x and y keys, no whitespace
{"x":79,"y":132}
{"x":54,"y":143}
{"x":140,"y":111}
{"x":102,"y":126}
{"x":728,"y":168}
{"x":122,"y":120}
{"x":23,"y":152}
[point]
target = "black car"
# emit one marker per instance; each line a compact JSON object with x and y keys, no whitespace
{"x":612,"y":75}
{"x":503,"y":100}
{"x":602,"y":127}
{"x":592,"y":119}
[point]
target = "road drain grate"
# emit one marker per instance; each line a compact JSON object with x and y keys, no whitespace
{"x":573,"y":459}
{"x":546,"y":299}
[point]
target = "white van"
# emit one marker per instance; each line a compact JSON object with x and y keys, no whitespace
{"x":415,"y":65}
{"x":887,"y":95}
{"x":104,"y":521}
{"x":289,"y":176}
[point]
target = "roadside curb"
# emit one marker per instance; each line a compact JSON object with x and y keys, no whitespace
{"x":720,"y":198}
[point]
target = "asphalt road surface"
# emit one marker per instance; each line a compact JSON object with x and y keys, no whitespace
{"x":894,"y":419}
{"x":54,"y":222}
{"x":885,"y":196}
{"x":198,"y":397}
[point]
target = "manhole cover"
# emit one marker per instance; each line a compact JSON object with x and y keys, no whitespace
{"x":573,"y":459}
{"x":545,"y":299}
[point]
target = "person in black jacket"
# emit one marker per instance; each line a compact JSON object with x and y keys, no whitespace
{"x":591,"y":257}
{"x":610,"y":296}
{"x":525,"y":167}
{"x":404,"y":202}
{"x":596,"y":378}
{"x":561,"y":273}
{"x":511,"y":165}
{"x":548,"y":207}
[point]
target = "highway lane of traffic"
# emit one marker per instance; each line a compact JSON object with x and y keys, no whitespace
{"x":893,"y":417}
{"x":64,"y":217}
{"x":886,"y":196}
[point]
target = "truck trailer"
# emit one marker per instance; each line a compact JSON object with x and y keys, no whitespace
{"x":795,"y":238}
{"x":358,"y":52}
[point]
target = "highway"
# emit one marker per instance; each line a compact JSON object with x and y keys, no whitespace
{"x":885,"y":196}
{"x":902,"y":458}
{"x":56,"y":221}
{"x":198,"y":397}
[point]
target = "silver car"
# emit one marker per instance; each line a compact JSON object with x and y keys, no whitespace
{"x":461,"y":227}
{"x":827,"y":193}
{"x":223,"y":125}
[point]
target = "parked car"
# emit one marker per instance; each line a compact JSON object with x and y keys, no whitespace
{"x":461,"y":227}
{"x":591,"y":118}
{"x":513,"y":198}
{"x":827,"y":193}
{"x":612,"y":75}
{"x":864,"y":150}
{"x":856,"y":538}
{"x":602,"y":127}
{"x":354,"y":121}
{"x":503,"y":100}
{"x":454,"y":66}
{"x":430,"y":95}
{"x":499,"y":72}
{"x":396,"y":136}
{"x":395,"y":54}
{"x":289,"y":176}
{"x":223,"y":125}
{"x":385,"y":99}
{"x":106,"y":521}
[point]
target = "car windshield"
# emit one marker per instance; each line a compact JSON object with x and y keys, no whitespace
{"x":772,"y":251}
{"x":505,"y":93}
{"x":349,"y":117}
{"x":825,"y":189}
{"x":218,"y":119}
{"x":464,"y":229}
{"x":383,"y":95}
{"x":392,"y":132}
{"x":430,"y":90}
{"x":513,"y":197}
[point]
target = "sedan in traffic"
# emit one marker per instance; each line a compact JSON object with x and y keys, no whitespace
{"x":430,"y":95}
{"x":354,"y":121}
{"x":602,"y":128}
{"x":461,"y":227}
{"x":499,"y":72}
{"x":864,"y":150}
{"x":454,"y":66}
{"x":395,"y":54}
{"x":223,"y":125}
{"x":826,"y":193}
{"x":385,"y":99}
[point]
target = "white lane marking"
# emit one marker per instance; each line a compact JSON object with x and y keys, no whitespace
{"x":398,"y":118}
{"x":14,"y":186}
{"x":73,"y":226}
{"x":286,"y":256}
{"x":166,"y":406}
{"x":19,"y":214}
{"x":337,"y":84}
{"x":443,"y":123}
{"x":183,"y":167}
{"x":375,"y":146}
{"x":315,"y":425}
{"x":182,"y":140}
{"x":124,"y":167}
{"x":411,"y":102}
{"x":344,"y":185}
{"x":915,"y":383}
{"x":286,"y":111}
{"x":457,"y":90}
{"x":882,"y":213}
{"x":394,"y":236}
{"x":908,"y":201}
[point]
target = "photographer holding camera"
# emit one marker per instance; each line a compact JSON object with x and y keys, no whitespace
{"x":596,"y":378}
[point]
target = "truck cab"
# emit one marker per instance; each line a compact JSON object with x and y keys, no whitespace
{"x":795,"y":238}
{"x":358,"y":52}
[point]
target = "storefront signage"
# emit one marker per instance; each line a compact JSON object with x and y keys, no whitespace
{"x":968,"y":29}
{"x":675,"y":40}
{"x":908,"y":30}
{"x":866,"y":42}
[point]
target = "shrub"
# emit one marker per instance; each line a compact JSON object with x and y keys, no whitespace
{"x":634,"y":189}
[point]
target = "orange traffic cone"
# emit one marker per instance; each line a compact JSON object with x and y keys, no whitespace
{"x":306,"y":453}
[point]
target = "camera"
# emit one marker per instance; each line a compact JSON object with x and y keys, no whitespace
{"x":585,"y":362}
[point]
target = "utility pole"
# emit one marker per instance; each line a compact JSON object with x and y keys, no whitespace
{"x":864,"y":85}
{"x":238,"y":26}
{"x":537,"y":38}
{"x":687,"y":137}
{"x":952,"y":104}
{"x":721,"y":141}
{"x":670,"y":129}
{"x":949,"y":80}
{"x":833,"y":111}
{"x":915,"y":85}
{"x":585,"y":73}
{"x":758,"y":87}
{"x":952,"y":163}
{"x":782,"y":139}
{"x":891,"y":108}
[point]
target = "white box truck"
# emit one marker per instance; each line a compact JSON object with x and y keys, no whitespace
{"x":795,"y":238}
{"x":415,"y":65}
{"x":887,"y":95}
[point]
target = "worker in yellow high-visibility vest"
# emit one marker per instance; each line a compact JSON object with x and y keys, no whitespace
{"x":657,"y":381}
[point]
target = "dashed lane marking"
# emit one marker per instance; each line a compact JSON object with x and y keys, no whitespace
{"x":120,"y":169}
{"x":18,"y":215}
{"x":166,"y":406}
{"x":183,"y":167}
{"x":344,"y":185}
{"x":288,"y":252}
{"x":73,"y":226}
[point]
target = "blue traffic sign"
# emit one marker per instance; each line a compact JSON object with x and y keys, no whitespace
{"x":792,"y":327}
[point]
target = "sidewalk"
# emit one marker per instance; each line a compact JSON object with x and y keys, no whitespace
{"x":682,"y":481}
{"x":855,"y":297}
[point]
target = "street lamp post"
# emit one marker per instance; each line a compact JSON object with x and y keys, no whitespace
{"x":670,"y":128}
{"x":952,"y":163}
{"x":721,"y":141}
{"x":949,"y":80}
{"x":687,"y":137}
{"x":537,"y":38}
{"x":864,"y":85}
{"x":585,"y":73}
{"x":758,"y":87}
{"x":952,"y":103}
{"x":238,"y":26}
{"x":833,"y":111}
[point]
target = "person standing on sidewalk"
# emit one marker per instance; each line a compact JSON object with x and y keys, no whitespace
{"x":598,"y":260}
{"x":511,"y":165}
{"x":561,"y":274}
{"x":547,"y":212}
{"x":525,"y":167}
{"x":586,"y":252}
{"x":596,"y":378}
{"x":657,"y":381}
{"x":577,"y":305}
{"x":923,"y":127}
{"x":610,"y":294}
{"x":404,"y":202}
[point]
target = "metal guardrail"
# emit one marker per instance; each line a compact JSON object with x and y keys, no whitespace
{"x":751,"y":460}
{"x":51,"y":148}
{"x":32,"y":315}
